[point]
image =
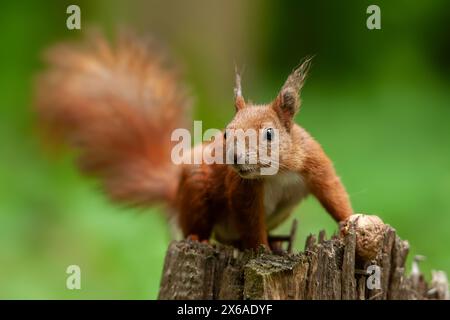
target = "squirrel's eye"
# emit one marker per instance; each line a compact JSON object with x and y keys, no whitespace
{"x":269,"y":134}
{"x":224,"y":135}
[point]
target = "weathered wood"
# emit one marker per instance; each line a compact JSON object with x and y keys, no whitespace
{"x":383,"y":260}
{"x":310,"y":242}
{"x":361,"y":289}
{"x":397,"y":290}
{"x":439,"y":284}
{"x":327,"y":269}
{"x":348,"y":266}
{"x":276,"y":277}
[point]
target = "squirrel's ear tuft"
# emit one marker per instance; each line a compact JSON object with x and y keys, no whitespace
{"x":287,"y":102}
{"x":239,"y":101}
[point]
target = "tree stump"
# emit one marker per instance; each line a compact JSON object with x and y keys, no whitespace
{"x":327,"y":269}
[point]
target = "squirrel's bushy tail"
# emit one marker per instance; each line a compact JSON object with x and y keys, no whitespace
{"x":117,"y":105}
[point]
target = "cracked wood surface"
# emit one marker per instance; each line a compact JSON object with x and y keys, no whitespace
{"x":327,"y":269}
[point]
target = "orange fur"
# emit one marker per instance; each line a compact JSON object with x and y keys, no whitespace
{"x":118,"y":106}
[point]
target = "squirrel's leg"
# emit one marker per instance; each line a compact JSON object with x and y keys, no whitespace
{"x":194,"y":215}
{"x":247,"y":210}
{"x":196,"y":222}
{"x":326,"y":186}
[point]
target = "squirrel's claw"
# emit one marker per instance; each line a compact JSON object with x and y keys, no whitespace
{"x":193,"y":237}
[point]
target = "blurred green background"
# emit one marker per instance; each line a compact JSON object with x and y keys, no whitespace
{"x":378,"y":101}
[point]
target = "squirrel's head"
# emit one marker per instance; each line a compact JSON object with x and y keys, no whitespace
{"x":259,"y":135}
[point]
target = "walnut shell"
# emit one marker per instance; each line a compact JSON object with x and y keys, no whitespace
{"x":369,"y":231}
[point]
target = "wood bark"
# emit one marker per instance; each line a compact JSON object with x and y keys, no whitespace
{"x":327,"y":269}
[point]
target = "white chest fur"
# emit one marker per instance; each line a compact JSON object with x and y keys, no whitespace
{"x":281,"y":193}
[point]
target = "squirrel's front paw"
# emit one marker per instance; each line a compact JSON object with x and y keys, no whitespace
{"x":195,"y":237}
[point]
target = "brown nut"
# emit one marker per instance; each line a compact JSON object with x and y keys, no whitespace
{"x":369,"y":231}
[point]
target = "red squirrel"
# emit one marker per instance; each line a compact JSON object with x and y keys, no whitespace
{"x":117,"y":105}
